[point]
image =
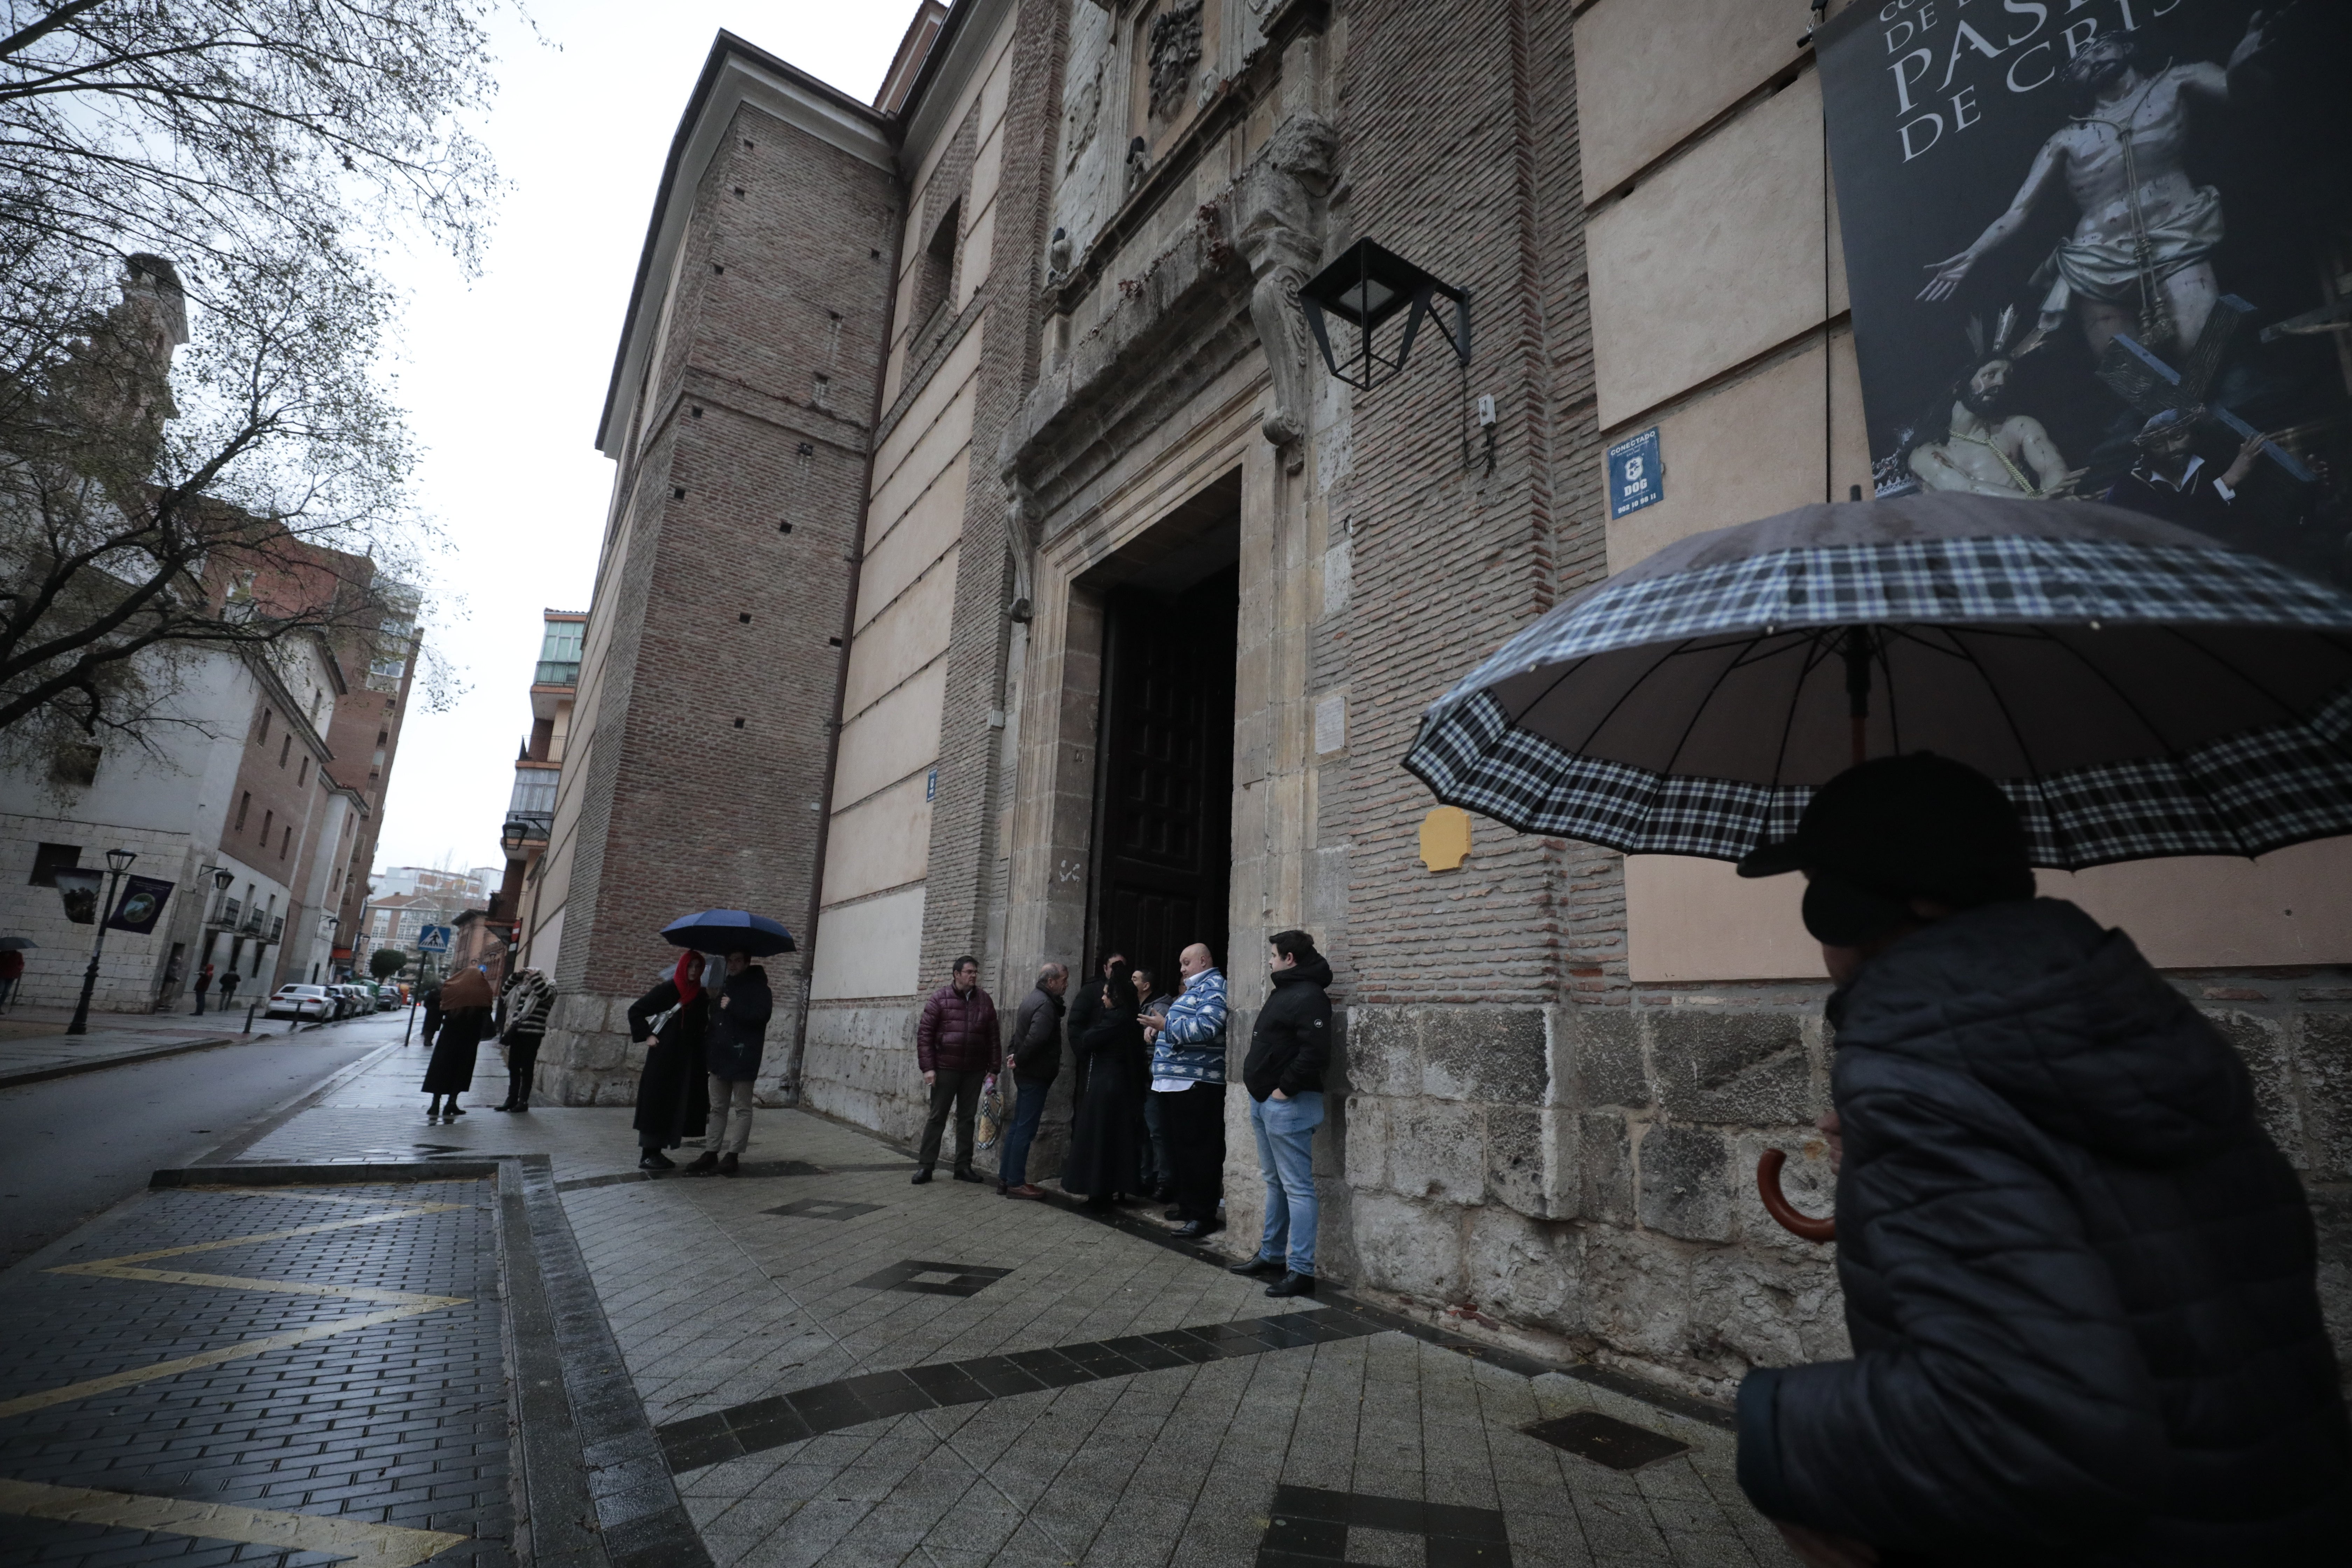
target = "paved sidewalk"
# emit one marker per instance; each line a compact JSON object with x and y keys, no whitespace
{"x":30,"y":1058}
{"x":846,"y":1371}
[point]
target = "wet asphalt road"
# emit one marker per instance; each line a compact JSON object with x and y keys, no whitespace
{"x":71,"y":1147}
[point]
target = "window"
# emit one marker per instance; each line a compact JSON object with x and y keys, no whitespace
{"x":286,"y":848}
{"x":267,"y":818}
{"x":75,"y":763}
{"x":559,"y":654}
{"x":263,"y":739}
{"x":935,"y":271}
{"x":284,"y":747}
{"x":535,"y":793}
{"x":243,"y":805}
{"x":51,"y":859}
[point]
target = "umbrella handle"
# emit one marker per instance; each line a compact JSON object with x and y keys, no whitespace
{"x":1777,"y":1204}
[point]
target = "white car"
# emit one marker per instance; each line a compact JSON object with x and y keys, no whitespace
{"x":300,"y":1001}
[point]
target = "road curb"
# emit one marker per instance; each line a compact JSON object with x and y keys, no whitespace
{"x":124,"y":1059}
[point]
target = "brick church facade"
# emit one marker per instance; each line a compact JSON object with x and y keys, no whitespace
{"x":992,"y":566}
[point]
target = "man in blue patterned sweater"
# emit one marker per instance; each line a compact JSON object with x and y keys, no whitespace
{"x":1188,"y":1082}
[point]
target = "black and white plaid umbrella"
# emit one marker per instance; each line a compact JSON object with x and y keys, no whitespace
{"x":2139,"y":690}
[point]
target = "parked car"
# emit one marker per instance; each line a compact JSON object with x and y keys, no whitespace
{"x":300,"y":1001}
{"x":344,"y":1006}
{"x":387,"y":997}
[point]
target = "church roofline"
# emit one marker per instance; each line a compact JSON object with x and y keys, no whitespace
{"x":735,"y":73}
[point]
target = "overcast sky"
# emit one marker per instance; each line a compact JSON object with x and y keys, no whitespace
{"x":504,"y":377}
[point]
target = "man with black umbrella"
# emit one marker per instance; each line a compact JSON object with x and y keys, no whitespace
{"x":2080,"y":1280}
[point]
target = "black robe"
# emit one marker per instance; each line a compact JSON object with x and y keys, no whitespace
{"x":673,"y":1093}
{"x":451,"y":1069}
{"x":1105,"y":1146}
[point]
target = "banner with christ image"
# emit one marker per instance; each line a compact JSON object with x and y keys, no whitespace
{"x":2102,"y":249}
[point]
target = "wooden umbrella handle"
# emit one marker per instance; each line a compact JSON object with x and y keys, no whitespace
{"x":1777,"y":1204}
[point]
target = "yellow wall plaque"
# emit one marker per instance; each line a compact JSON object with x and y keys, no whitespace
{"x":1445,"y":838}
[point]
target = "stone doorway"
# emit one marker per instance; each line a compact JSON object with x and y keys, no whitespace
{"x":1163,"y":793}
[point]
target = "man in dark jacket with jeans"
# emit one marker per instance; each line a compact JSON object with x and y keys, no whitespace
{"x":2079,"y":1278}
{"x":731,"y":1047}
{"x":956,"y":1045}
{"x":1036,"y":1062}
{"x":1290,"y":1045}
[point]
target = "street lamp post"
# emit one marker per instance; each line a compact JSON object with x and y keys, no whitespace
{"x":117,"y":861}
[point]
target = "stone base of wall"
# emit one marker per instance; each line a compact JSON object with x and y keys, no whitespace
{"x":587,"y":1059}
{"x":860,"y":1067}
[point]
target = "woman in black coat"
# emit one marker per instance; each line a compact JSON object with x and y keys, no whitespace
{"x":673,"y":1099}
{"x":449,"y":1071}
{"x":1105,"y":1151}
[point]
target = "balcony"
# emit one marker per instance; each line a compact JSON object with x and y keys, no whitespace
{"x":277,"y":928}
{"x":557,"y":672}
{"x":224,"y":917}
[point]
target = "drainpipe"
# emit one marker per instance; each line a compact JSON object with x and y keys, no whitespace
{"x":841,"y":681}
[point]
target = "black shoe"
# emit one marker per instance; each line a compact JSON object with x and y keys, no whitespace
{"x":1177,"y":1215}
{"x":965,"y":1176}
{"x":654,"y":1160}
{"x":1292,"y":1285}
{"x":1195,"y":1229}
{"x":921,"y":1176}
{"x":703,"y":1166}
{"x":728,"y":1164}
{"x":455,"y":1110}
{"x":1258,"y":1268}
{"x":1164,"y":1192}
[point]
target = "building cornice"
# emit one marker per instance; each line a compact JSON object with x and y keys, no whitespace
{"x":955,"y":58}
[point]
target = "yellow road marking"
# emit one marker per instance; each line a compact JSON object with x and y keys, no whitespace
{"x":244,"y":1240}
{"x":371,"y":1545}
{"x":410,"y":1305}
{"x":238,"y":1352}
{"x":275,"y":1286}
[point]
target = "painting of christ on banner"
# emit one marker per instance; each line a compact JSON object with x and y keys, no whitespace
{"x":2103,"y":249}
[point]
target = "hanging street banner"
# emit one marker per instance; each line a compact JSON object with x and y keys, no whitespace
{"x":142,"y":902}
{"x":2102,"y":249}
{"x":80,"y":889}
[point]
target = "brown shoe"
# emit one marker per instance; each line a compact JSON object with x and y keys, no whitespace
{"x":703,"y":1165}
{"x":726,"y":1164}
{"x":1025,"y":1190}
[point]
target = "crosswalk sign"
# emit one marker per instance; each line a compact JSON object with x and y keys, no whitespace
{"x":434,"y":939}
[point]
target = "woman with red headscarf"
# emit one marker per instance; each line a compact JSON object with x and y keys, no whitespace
{"x":673,"y":1098}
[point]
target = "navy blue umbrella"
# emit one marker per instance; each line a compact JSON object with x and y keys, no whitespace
{"x":729,"y":930}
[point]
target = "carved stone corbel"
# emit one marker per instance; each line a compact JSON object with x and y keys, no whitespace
{"x":1278,"y":231}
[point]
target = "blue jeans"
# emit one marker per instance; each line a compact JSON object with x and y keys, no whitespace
{"x":1285,"y":1143}
{"x":1028,"y":1106}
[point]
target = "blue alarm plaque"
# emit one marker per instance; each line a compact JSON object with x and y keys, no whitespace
{"x":1637,"y":474}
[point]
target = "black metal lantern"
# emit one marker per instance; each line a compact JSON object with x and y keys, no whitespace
{"x":515,"y":834}
{"x":1366,"y":287}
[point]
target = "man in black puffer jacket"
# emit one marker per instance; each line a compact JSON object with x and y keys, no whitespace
{"x":1290,"y":1045}
{"x":2079,"y":1278}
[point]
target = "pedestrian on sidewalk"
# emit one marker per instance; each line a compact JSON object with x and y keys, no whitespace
{"x":1036,"y":1062}
{"x":1084,"y":1008}
{"x":530,"y":997}
{"x":431,"y":1002}
{"x":204,"y":988}
{"x":1290,"y":1045}
{"x":1188,"y":1091}
{"x":228,"y":988}
{"x":732,"y":1044}
{"x":1104,"y":1149}
{"x":12,"y":974}
{"x":2080,"y":1280}
{"x":956,"y":1045}
{"x":674,"y":1086}
{"x":465,"y":1018}
{"x":1156,"y":1179}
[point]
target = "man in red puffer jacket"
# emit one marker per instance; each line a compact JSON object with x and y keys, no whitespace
{"x":957,"y":1045}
